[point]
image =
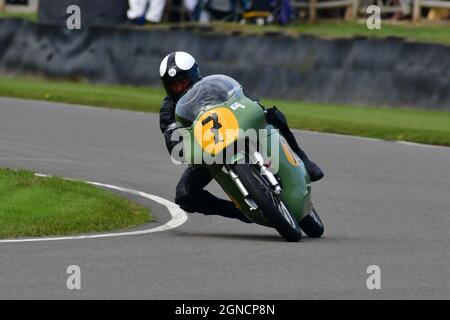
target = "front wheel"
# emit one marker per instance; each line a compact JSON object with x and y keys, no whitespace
{"x":272,"y":207}
{"x":312,"y":225}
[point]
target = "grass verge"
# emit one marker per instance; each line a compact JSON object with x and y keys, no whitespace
{"x":37,"y":206}
{"x":427,"y":33}
{"x":423,"y":126}
{"x":33,"y":16}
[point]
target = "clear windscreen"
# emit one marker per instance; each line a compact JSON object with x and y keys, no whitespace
{"x":211,"y":90}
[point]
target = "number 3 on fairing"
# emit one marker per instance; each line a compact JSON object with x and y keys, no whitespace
{"x":216,"y":125}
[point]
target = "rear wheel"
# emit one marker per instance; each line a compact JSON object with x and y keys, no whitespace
{"x":312,"y":225}
{"x":270,"y":204}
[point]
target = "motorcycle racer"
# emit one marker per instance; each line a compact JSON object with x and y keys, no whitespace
{"x":179,"y":71}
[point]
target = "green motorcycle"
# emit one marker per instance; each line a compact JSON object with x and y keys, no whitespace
{"x":227,"y":132}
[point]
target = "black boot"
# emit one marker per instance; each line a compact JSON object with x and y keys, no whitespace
{"x":314,"y":171}
{"x":210,"y":204}
{"x":206,"y":203}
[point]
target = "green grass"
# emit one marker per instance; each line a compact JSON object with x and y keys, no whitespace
{"x":27,"y":16}
{"x":37,"y":206}
{"x":439,"y":33}
{"x":118,"y":97}
{"x":429,"y":33}
{"x":423,"y":126}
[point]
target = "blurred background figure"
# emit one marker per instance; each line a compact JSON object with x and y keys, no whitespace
{"x":264,"y":12}
{"x":190,"y":5}
{"x":146,"y":10}
{"x":405,"y":9}
{"x":152,"y":11}
{"x":223,"y":10}
{"x":260,"y":12}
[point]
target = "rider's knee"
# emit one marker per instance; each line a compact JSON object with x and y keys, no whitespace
{"x":277,"y":118}
{"x":185,"y":200}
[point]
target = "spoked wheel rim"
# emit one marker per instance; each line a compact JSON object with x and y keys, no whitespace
{"x":275,"y":199}
{"x":269,"y":202}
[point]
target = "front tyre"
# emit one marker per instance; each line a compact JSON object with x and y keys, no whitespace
{"x":312,"y":225}
{"x":270,"y":204}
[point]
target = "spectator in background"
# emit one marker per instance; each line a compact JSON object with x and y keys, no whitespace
{"x":223,"y":10}
{"x":146,"y":10}
{"x":152,"y":11}
{"x":405,"y":9}
{"x":190,"y":5}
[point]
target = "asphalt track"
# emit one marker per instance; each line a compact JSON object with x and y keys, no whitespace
{"x":382,"y":203}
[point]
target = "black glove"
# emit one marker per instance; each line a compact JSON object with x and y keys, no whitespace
{"x":170,"y":144}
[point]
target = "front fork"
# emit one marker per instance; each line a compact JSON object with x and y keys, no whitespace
{"x":273,"y":182}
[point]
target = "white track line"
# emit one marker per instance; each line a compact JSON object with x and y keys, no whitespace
{"x":415,"y":144}
{"x":178,"y":217}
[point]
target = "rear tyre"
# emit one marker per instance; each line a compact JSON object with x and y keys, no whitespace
{"x":271,"y":206}
{"x":312,"y":225}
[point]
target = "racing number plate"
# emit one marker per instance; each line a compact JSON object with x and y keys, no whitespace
{"x":216,"y":129}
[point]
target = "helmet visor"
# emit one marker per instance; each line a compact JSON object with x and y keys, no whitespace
{"x":181,"y":85}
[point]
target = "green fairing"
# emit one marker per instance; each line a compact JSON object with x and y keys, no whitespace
{"x":295,"y":181}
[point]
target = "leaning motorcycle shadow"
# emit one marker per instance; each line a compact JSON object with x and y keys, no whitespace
{"x":245,"y":237}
